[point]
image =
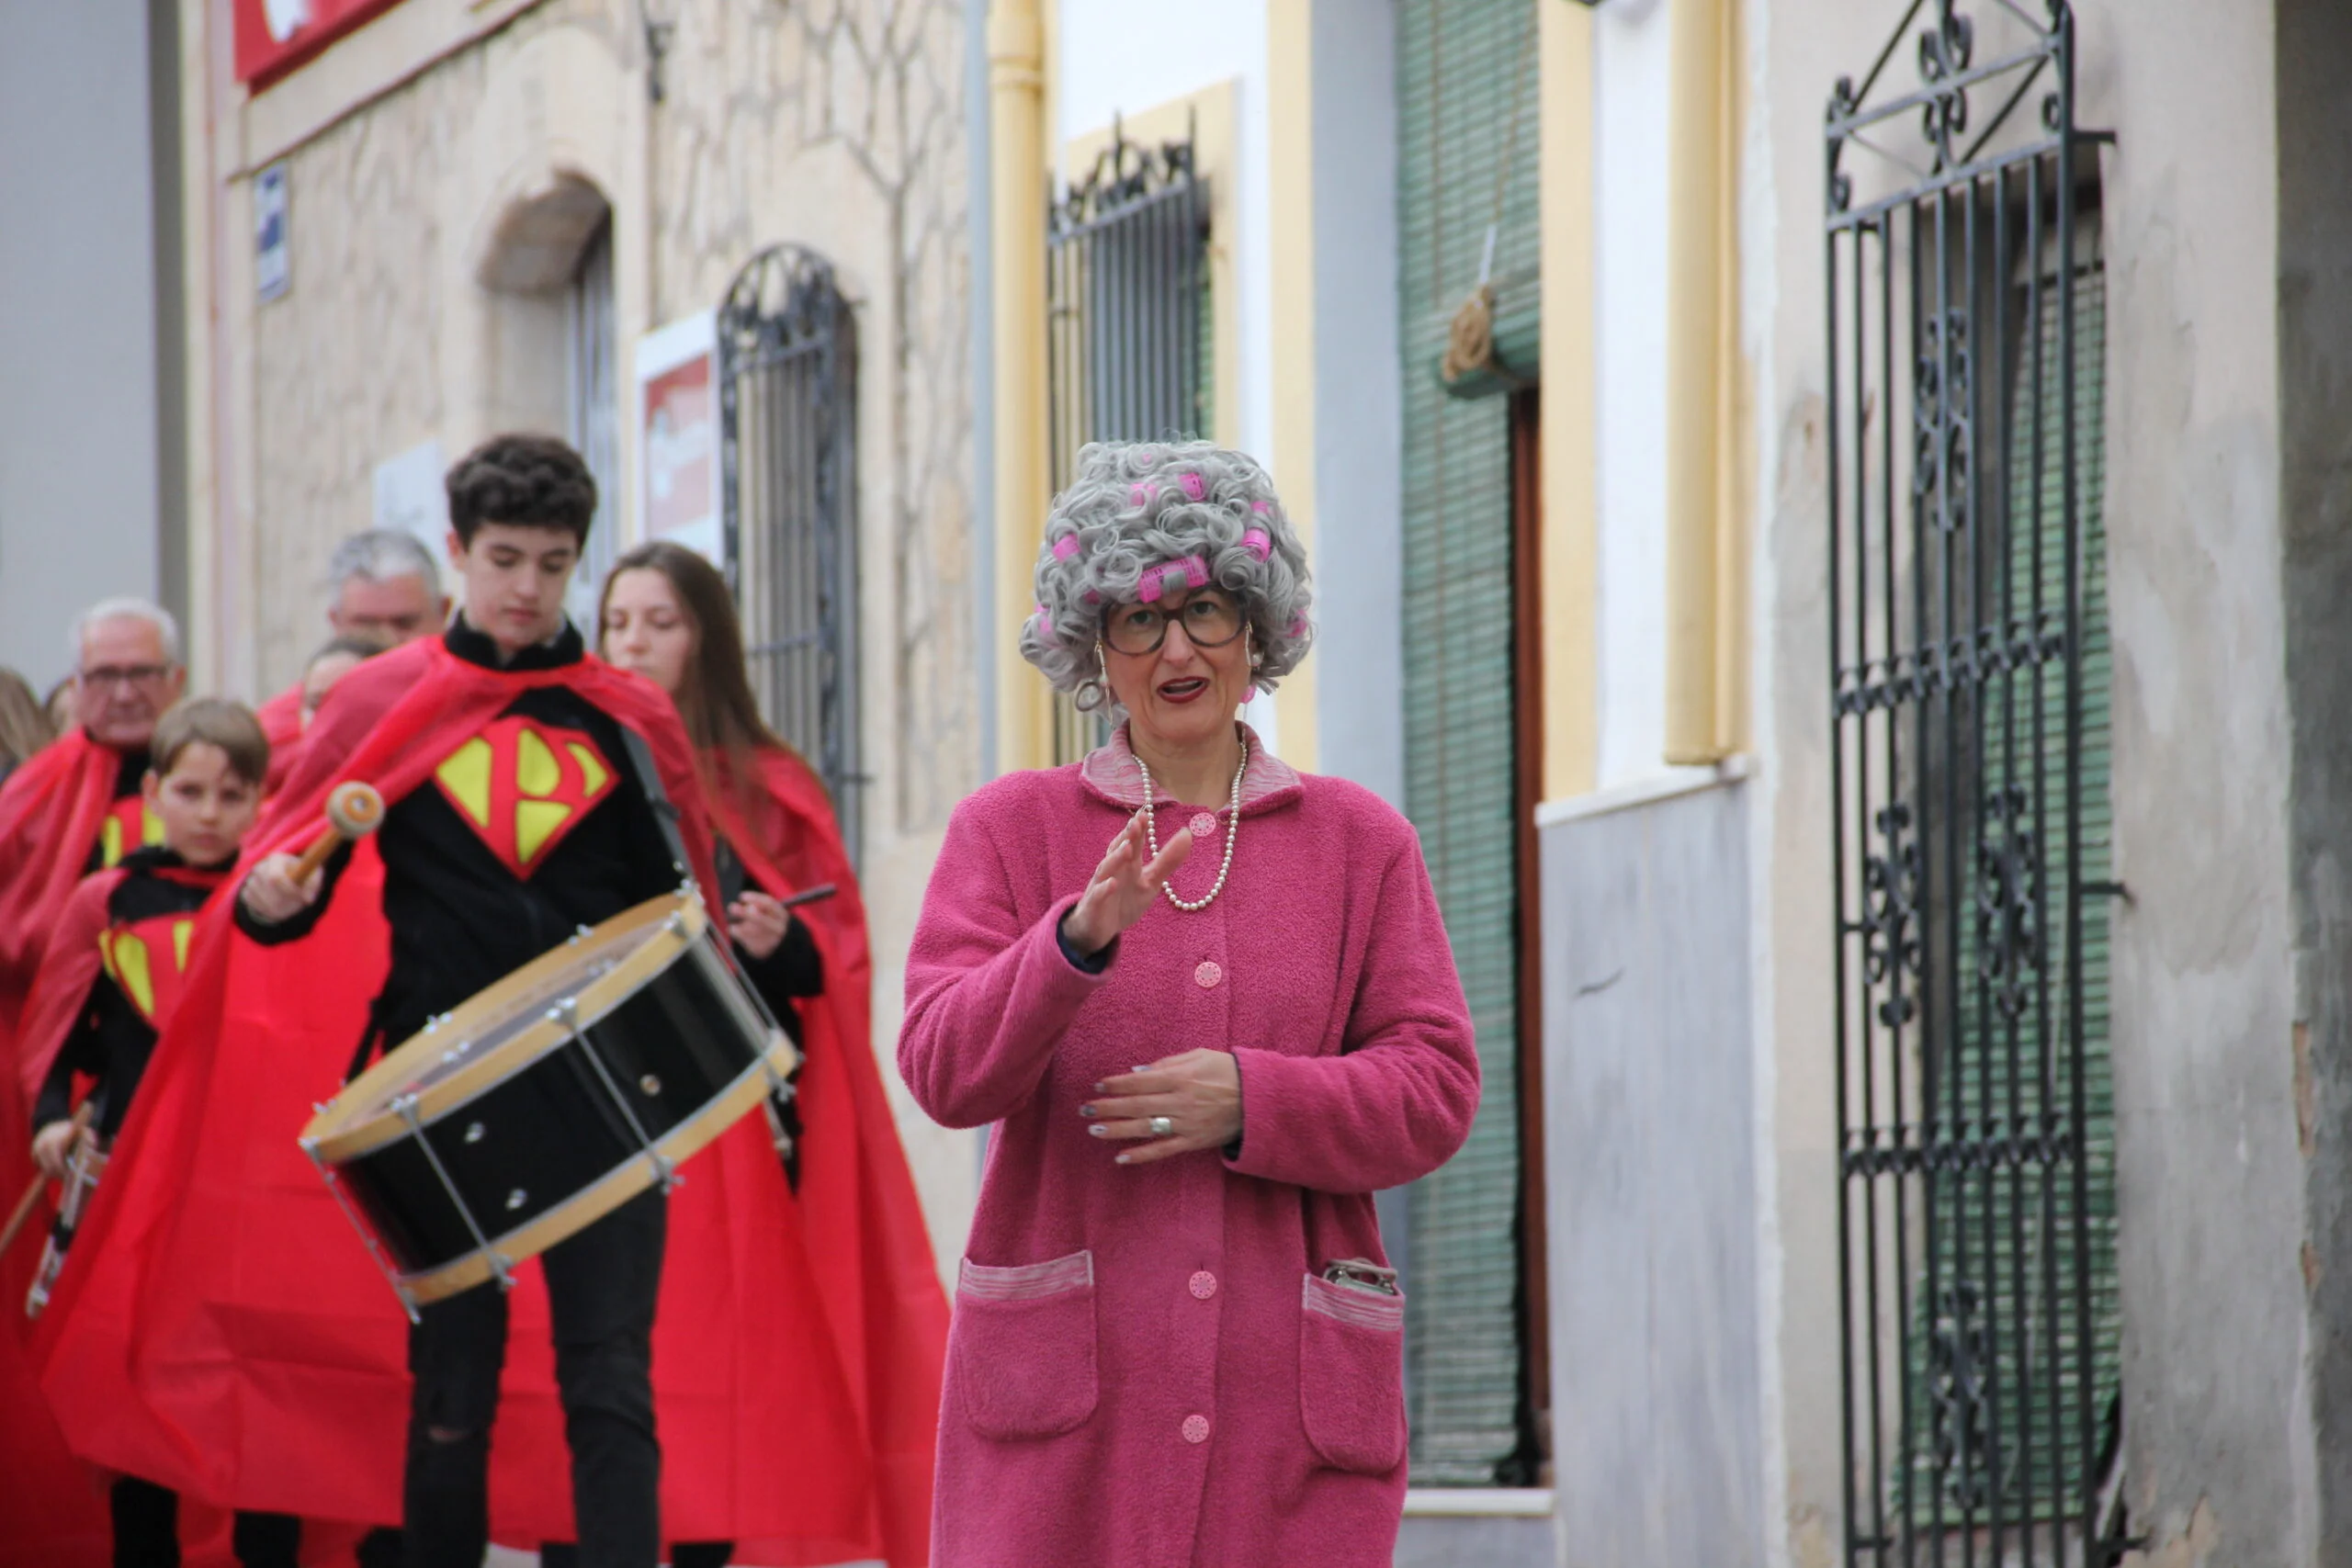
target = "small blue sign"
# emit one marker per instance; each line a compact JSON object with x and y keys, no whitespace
{"x":272,"y":259}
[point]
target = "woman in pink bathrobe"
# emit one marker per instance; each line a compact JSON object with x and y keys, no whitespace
{"x":1207,"y":1003}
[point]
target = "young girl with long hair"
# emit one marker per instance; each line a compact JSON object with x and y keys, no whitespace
{"x":666,"y":614}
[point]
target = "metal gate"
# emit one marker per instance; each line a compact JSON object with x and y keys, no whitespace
{"x":787,"y":373}
{"x":1968,"y":662}
{"x":1127,"y":297}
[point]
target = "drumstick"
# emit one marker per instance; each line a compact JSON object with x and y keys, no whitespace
{"x":24,"y":1208}
{"x":354,"y":811}
{"x":822,"y":890}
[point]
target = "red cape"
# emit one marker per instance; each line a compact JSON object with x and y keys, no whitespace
{"x":221,"y":1328}
{"x":281,"y":721}
{"x":50,"y":811}
{"x":67,"y":969}
{"x":865,"y":1224}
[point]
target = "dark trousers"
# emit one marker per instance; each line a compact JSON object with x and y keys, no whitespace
{"x":683,"y":1555}
{"x":146,"y":1520}
{"x":602,"y":1284}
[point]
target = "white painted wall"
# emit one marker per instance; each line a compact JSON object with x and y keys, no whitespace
{"x":1359,"y":414}
{"x":1630,"y":42}
{"x":77,"y":324}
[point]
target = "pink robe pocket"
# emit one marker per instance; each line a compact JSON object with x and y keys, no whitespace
{"x":1021,"y":1348}
{"x":1351,"y":1376}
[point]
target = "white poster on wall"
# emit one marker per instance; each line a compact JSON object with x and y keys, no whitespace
{"x":411,"y":498}
{"x":677,"y":413}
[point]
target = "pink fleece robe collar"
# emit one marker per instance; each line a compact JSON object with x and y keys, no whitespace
{"x":1112,"y":773}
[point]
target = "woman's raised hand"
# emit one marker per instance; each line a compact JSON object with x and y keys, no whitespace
{"x":1123,"y":887}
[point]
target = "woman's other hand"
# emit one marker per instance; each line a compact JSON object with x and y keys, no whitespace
{"x":757,"y":922}
{"x":1199,"y":1093}
{"x":1123,"y":887}
{"x":53,"y":1148}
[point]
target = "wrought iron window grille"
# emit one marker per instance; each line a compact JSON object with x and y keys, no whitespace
{"x":1965,"y":307}
{"x":788,"y":370}
{"x":1128,"y":301}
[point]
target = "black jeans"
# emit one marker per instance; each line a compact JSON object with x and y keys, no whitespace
{"x":683,"y":1555}
{"x":602,"y":1285}
{"x":146,"y":1519}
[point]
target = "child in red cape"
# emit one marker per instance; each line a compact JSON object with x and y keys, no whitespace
{"x":238,"y":1339}
{"x":666,"y":614}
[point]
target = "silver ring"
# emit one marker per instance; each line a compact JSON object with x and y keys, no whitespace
{"x":1161,"y":1126}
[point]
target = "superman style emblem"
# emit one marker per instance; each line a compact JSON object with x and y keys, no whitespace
{"x":129,"y":826}
{"x":522,"y":785}
{"x":146,"y":959}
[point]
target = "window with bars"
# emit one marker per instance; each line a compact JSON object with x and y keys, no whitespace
{"x":1127,"y":308}
{"x":1970,"y":702}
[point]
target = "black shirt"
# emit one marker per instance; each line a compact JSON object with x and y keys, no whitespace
{"x":114,"y":1036}
{"x":541,"y":827}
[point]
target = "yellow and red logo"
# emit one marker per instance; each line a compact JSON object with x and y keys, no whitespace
{"x":129,"y":826}
{"x":522,"y":785}
{"x":146,"y":959}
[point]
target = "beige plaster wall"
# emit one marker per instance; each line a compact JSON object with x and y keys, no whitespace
{"x":836,"y":124}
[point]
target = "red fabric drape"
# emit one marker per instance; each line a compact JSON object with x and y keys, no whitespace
{"x":221,"y":1328}
{"x":868,"y":1242}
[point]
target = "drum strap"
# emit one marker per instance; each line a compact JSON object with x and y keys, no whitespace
{"x":665,"y":810}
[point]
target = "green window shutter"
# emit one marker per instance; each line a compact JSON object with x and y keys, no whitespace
{"x":2021,"y":1305}
{"x":1459,"y":81}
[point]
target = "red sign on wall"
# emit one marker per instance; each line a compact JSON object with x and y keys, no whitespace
{"x":276,"y":35}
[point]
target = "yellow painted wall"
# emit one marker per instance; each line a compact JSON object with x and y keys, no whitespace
{"x":1289,"y":152}
{"x":1570,"y":550}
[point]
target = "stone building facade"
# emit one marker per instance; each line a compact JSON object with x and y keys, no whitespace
{"x":454,"y":170}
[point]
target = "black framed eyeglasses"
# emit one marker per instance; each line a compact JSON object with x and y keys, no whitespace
{"x":124,"y":675}
{"x":1211,"y":617}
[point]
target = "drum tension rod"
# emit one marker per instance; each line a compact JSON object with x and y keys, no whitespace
{"x":408,"y":1301}
{"x":665,"y":1171}
{"x":404,"y":1106}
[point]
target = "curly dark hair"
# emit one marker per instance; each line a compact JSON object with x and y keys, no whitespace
{"x":530,"y":481}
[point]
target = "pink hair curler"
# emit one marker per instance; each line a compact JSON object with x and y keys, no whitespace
{"x":1258,"y":543}
{"x":1297,"y":626}
{"x":1044,"y":622}
{"x":1066,"y":547}
{"x":1261,"y":507}
{"x":1191,"y":571}
{"x":1194,"y":486}
{"x":1142,"y":494}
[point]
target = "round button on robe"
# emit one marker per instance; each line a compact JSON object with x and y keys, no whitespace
{"x":1196,"y":1429}
{"x":1202,"y":1285}
{"x":1209,"y":973}
{"x":1202,"y":823}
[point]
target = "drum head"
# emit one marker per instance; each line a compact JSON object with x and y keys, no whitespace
{"x":506,"y":1026}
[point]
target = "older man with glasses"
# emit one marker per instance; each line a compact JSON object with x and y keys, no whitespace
{"x":74,"y":807}
{"x":386,"y":590}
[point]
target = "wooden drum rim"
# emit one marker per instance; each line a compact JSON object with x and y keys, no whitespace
{"x":625,"y":1181}
{"x":346,"y":1128}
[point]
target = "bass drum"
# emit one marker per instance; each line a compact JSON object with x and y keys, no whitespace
{"x":550,"y":1100}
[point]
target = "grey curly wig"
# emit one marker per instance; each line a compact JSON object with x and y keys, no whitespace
{"x":1185,"y":514}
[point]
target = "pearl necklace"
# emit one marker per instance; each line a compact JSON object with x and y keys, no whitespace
{"x":1232,"y":832}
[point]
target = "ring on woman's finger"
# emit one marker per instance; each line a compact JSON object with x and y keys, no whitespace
{"x":1162,"y":1125}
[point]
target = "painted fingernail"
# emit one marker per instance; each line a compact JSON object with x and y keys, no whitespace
{"x":1098,"y":1089}
{"x":1121,"y":1160}
{"x":1086,"y":1110}
{"x":1098,"y":1130}
{"x":1140,"y":1069}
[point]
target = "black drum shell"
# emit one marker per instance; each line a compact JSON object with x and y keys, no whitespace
{"x":536,"y":1139}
